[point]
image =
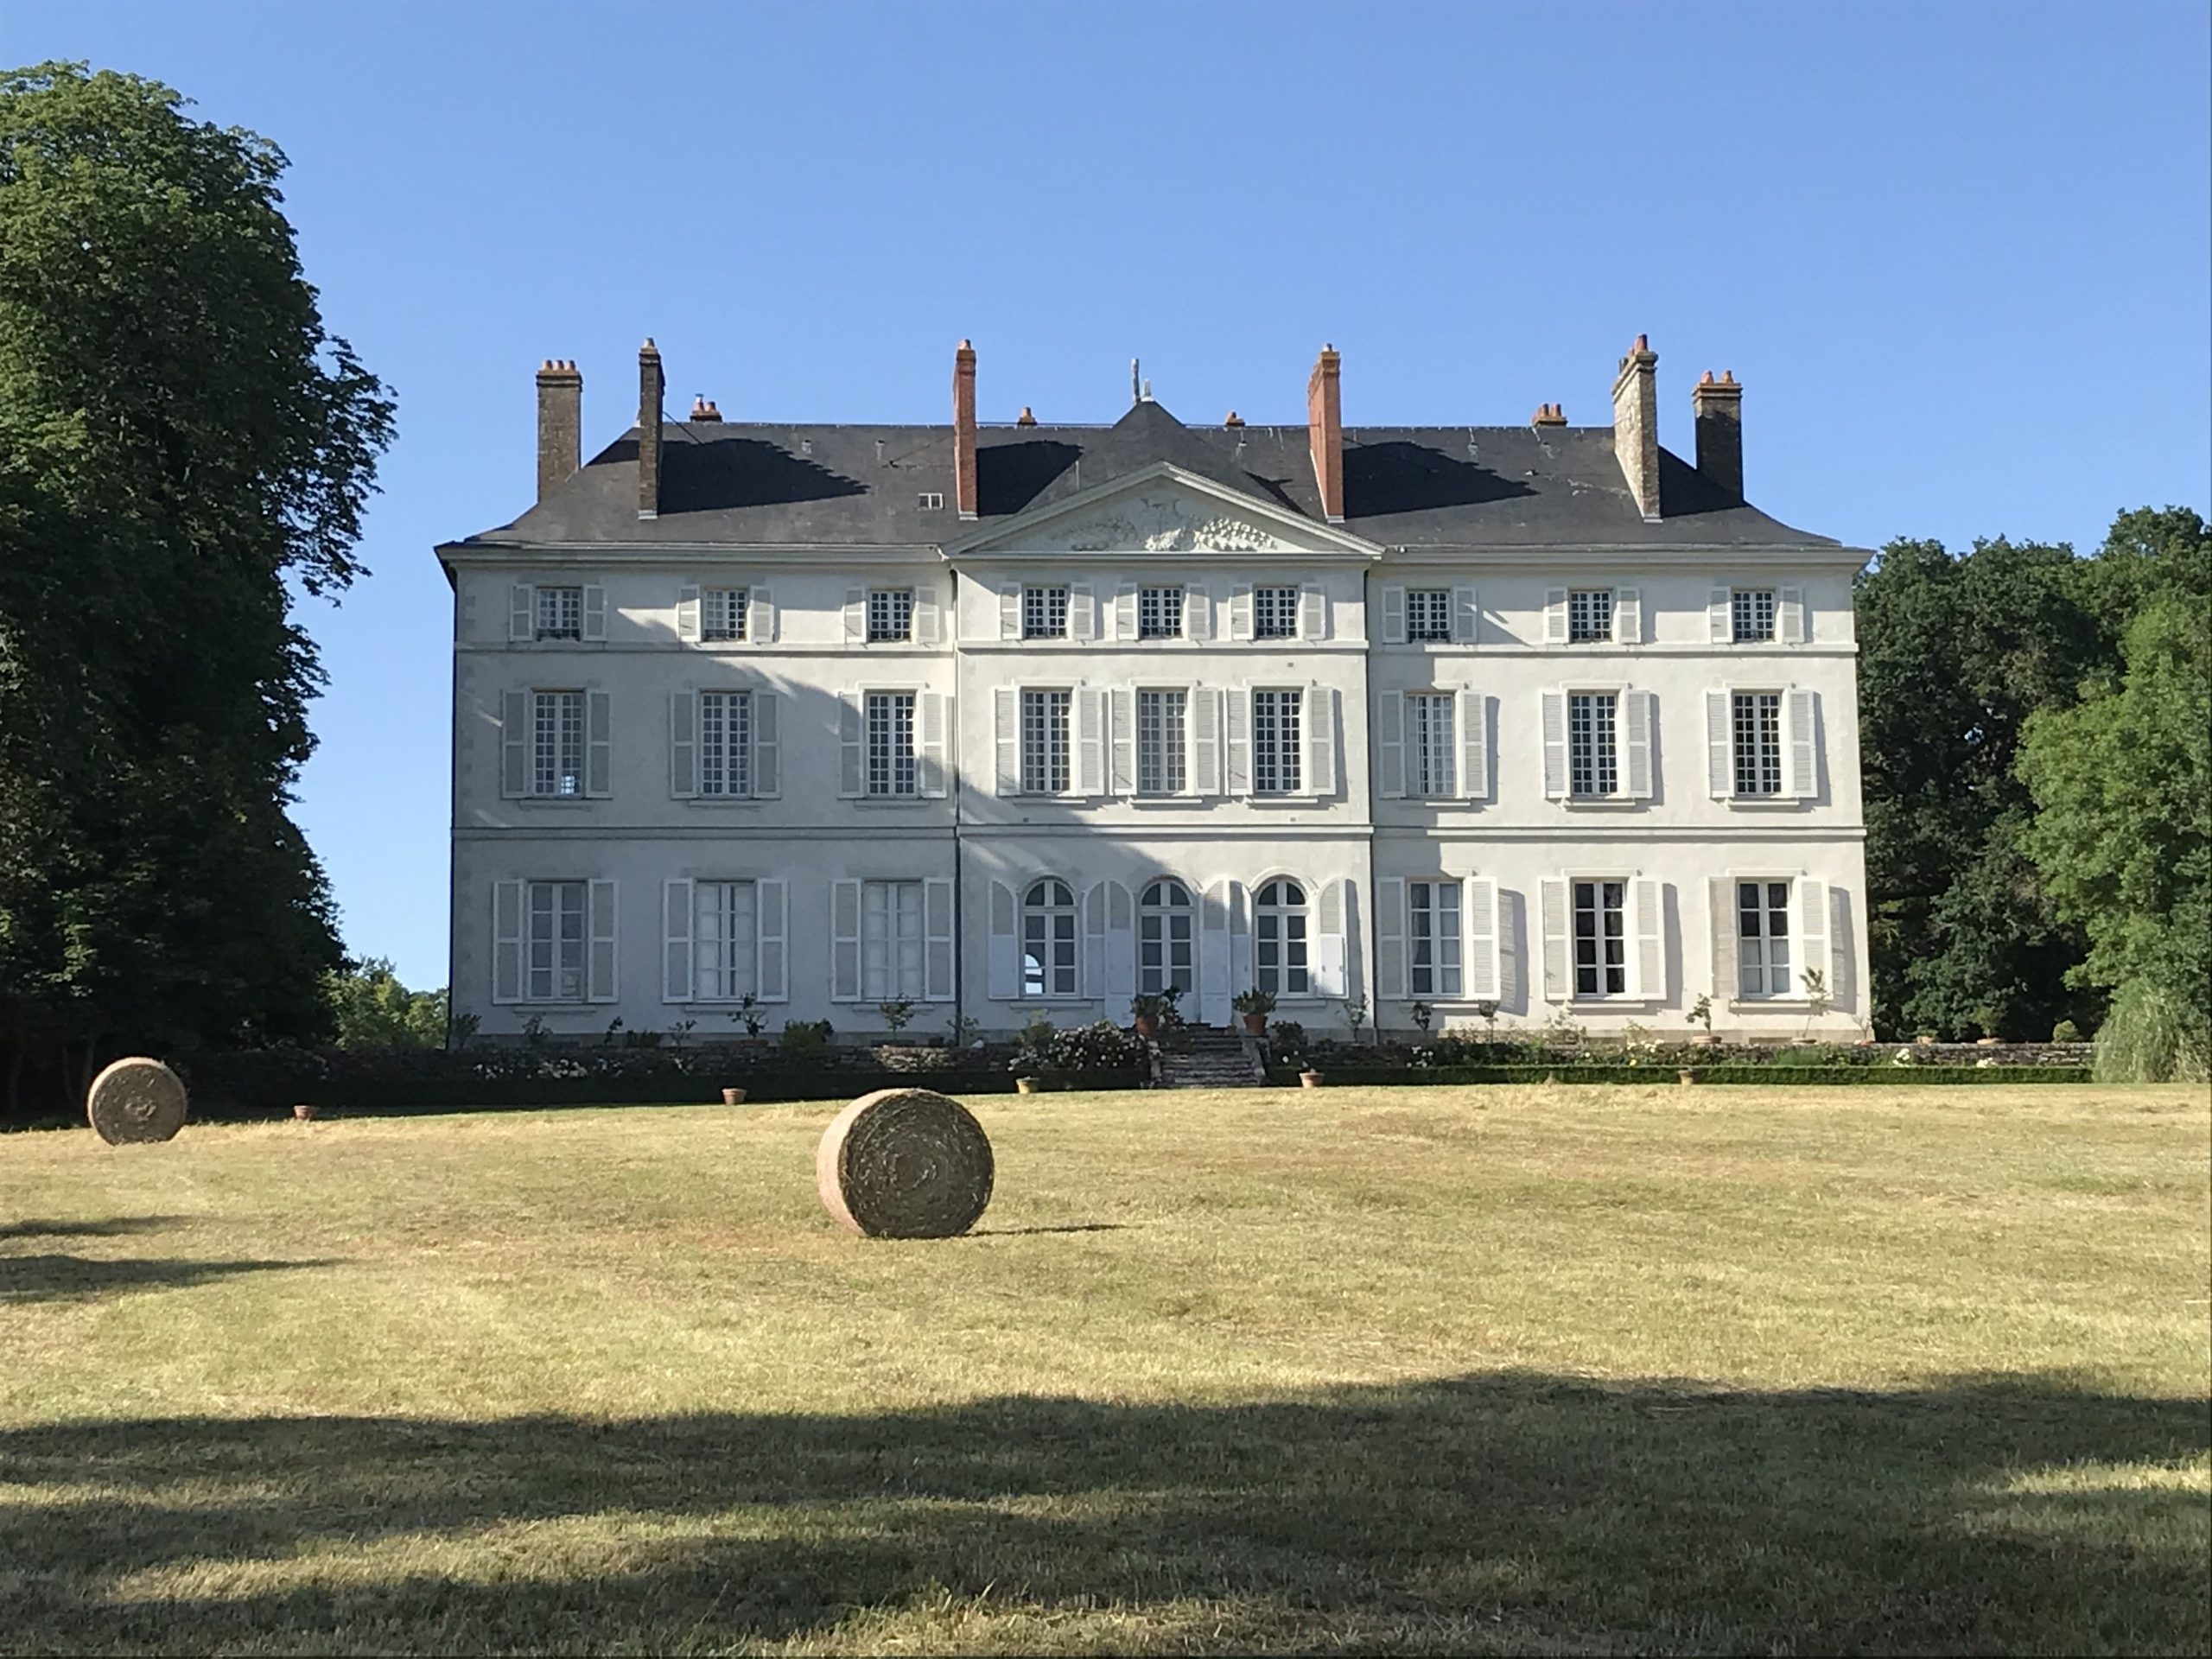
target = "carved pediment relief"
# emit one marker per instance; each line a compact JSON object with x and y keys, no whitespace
{"x":1167,"y":523}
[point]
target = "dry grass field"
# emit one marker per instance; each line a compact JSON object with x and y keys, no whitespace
{"x":1467,"y":1369}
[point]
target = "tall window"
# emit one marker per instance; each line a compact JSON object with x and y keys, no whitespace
{"x":1758,"y":742}
{"x":1159,"y":613}
{"x":1279,"y":939}
{"x":556,"y":727}
{"x":890,"y":940}
{"x":1275,"y":759}
{"x":1166,"y":933}
{"x":560,"y":612}
{"x":721,"y":613}
{"x":1593,"y":749}
{"x":1433,"y":937}
{"x":1752,"y":612}
{"x":1161,"y":742}
{"x":1762,"y":937}
{"x":553,"y":944}
{"x":1044,"y":612}
{"x":1432,"y":765}
{"x":1275,"y":613}
{"x":724,"y":933}
{"x":1600,"y":939}
{"x":1428,"y":613}
{"x":1048,"y":940}
{"x":1590,"y":614}
{"x":725,"y":743}
{"x":890,"y":614}
{"x":891,"y":743}
{"x":1044,"y":742}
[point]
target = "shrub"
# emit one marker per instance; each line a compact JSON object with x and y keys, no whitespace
{"x":1254,"y":1002}
{"x":1287,"y":1036}
{"x":1102,"y":1047}
{"x":1033,"y":1047}
{"x":2151,"y":1036}
{"x":806,"y":1039}
{"x":2066,"y":1031}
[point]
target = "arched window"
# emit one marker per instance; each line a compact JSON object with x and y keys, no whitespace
{"x":1048,"y":940}
{"x":1279,"y":938}
{"x":1166,"y":939}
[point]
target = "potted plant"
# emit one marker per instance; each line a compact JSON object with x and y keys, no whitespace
{"x":732,"y":1096}
{"x":1024,"y":1085}
{"x":1256,"y":1006}
{"x":1145,"y":1012}
{"x":1700,"y":1014}
{"x":304,"y":1111}
{"x":1308,"y":1078}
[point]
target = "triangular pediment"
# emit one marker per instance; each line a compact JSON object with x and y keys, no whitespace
{"x":1162,"y":508}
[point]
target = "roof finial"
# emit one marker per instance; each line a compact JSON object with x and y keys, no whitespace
{"x":1147,"y":392}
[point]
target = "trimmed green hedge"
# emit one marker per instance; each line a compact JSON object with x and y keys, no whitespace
{"x":1847,"y":1076}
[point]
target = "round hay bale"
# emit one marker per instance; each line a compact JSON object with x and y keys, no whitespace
{"x":136,"y":1099}
{"x":904,"y":1163}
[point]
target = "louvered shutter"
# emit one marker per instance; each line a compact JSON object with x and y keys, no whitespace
{"x":598,"y":744}
{"x":1094,"y":941}
{"x":1554,"y":715}
{"x":1197,"y":612}
{"x":1003,"y":967}
{"x":936,"y":939}
{"x":1090,"y":741}
{"x":1205,"y":711}
{"x":767,"y":747}
{"x":687,"y":614}
{"x":1719,"y":746}
{"x":1327,"y":957}
{"x":1010,"y":611}
{"x":1389,"y":940}
{"x":522,"y":612}
{"x":1789,"y":617}
{"x":675,"y":942}
{"x":1559,"y":984}
{"x":1556,"y":616}
{"x":855,"y":616}
{"x":1393,"y":616}
{"x":1125,"y":611}
{"x":760,"y":616}
{"x":1720,"y":616}
{"x":1005,"y":730}
{"x":1121,"y":949}
{"x":1122,"y":740}
{"x":926,"y":620}
{"x":1812,"y":921}
{"x":1312,"y":613}
{"x":602,"y":986}
{"x":1474,"y":710}
{"x":852,"y":742}
{"x":1803,"y":736}
{"x":1237,"y":709}
{"x":683,"y":744}
{"x":771,"y":933}
{"x":1082,"y":611}
{"x":1482,"y":935}
{"x":1651,"y":921}
{"x":934,"y":721}
{"x":1628,"y":616}
{"x":1240,"y":937}
{"x":1466,"y":616}
{"x":1390,"y":744}
{"x":1240,"y":611}
{"x":1843,"y":951}
{"x":1721,"y":903}
{"x":594,"y":618}
{"x":845,"y":941}
{"x":507,"y":898}
{"x":1640,"y":711}
{"x":1320,"y":723}
{"x":514,"y":744}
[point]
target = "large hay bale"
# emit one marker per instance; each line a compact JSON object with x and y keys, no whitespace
{"x":904,"y":1163}
{"x":136,"y":1099}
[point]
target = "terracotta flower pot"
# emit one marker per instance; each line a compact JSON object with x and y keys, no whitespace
{"x":1024,"y":1085}
{"x":304,"y":1111}
{"x":1686,"y":1075}
{"x":732,"y":1096}
{"x":1147,"y":1026}
{"x":1255,"y":1025}
{"x":1309,"y":1079}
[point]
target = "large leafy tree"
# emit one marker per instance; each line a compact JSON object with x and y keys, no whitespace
{"x":182,"y":446}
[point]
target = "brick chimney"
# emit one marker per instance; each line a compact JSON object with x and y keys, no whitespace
{"x":651,"y":385}
{"x":1720,"y":405}
{"x":964,"y":429}
{"x":560,"y":423}
{"x":704,"y":411}
{"x":1324,"y":431}
{"x":1636,"y":425}
{"x":1549,"y":415}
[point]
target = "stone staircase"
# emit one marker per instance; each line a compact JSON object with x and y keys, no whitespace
{"x":1218,"y":1059}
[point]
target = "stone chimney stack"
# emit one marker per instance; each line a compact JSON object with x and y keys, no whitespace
{"x":1720,"y":405}
{"x":964,"y":429}
{"x":651,"y":385}
{"x":1325,"y":430}
{"x":560,"y":423}
{"x":1636,"y":425}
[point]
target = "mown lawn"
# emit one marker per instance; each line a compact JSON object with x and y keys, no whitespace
{"x":1482,"y":1368}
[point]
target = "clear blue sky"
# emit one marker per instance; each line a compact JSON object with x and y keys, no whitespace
{"x":1958,"y":252}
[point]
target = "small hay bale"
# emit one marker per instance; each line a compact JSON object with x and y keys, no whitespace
{"x":136,"y":1099}
{"x":904,"y":1163}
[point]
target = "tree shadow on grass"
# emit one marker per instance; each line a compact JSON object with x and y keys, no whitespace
{"x":80,"y":1278}
{"x":1496,"y":1510}
{"x":113,"y":1227}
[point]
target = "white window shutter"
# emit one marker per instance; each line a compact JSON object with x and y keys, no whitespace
{"x":845,"y":941}
{"x":514,"y":744}
{"x":1790,"y":618}
{"x":1121,"y":949}
{"x":1082,"y":611}
{"x":1205,"y":711}
{"x":1473,"y":710}
{"x":933,"y":743}
{"x":1090,"y":741}
{"x":1240,"y":611}
{"x":1722,"y":906}
{"x":1329,"y":957}
{"x":1390,"y":744}
{"x":1628,"y":616}
{"x":675,"y":940}
{"x":1554,"y":713}
{"x":760,"y":616}
{"x":1466,"y":614}
{"x":1480,"y":907}
{"x":1719,"y":746}
{"x":1812,"y":898}
{"x":1124,"y":741}
{"x":767,"y":747}
{"x":1556,"y":616}
{"x":925,"y":614}
{"x":1389,"y":939}
{"x":1093,"y":980}
{"x":1010,"y":611}
{"x":522,"y":612}
{"x":1393,"y":616}
{"x":852,"y":735}
{"x":1642,"y":712}
{"x":1006,"y":728}
{"x":506,"y":941}
{"x":602,"y":985}
{"x":687,"y":613}
{"x":1803,"y":734}
{"x":1004,"y":976}
{"x":595,"y":613}
{"x":1843,"y":952}
{"x":1312,"y":612}
{"x":1125,"y":611}
{"x":1558,"y":982}
{"x":771,"y":931}
{"x":598,"y":744}
{"x":936,"y":939}
{"x":1237,"y":748}
{"x":1319,"y":722}
{"x":683,"y":744}
{"x":1198,"y":611}
{"x":1650,"y":939}
{"x":1720,"y":616}
{"x":855,"y":616}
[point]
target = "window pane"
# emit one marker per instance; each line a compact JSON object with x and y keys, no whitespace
{"x":890,"y":614}
{"x":1044,"y":742}
{"x":1592,"y":753}
{"x":1428,"y":613}
{"x":1753,"y":614}
{"x":1159,"y":613}
{"x":560,"y":612}
{"x":1590,"y":614}
{"x":1044,"y":612}
{"x":1275,"y":613}
{"x":891,"y":769}
{"x":721,"y":613}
